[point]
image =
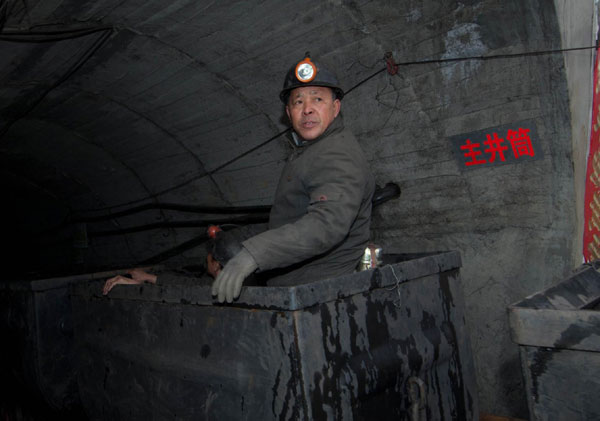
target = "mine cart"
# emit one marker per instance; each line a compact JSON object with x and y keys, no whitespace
{"x":386,"y":343}
{"x":36,"y":326}
{"x":558,"y":332}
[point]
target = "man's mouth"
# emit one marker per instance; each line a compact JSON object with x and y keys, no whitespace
{"x":308,"y":124}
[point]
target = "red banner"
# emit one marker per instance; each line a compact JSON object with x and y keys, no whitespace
{"x":591,"y":231}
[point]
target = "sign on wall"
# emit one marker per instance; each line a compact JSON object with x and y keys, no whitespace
{"x":509,"y":144}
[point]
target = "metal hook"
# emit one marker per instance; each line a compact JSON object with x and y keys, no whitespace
{"x":392,"y":67}
{"x":398,"y":301}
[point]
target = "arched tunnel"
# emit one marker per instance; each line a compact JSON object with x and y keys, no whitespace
{"x":127,"y":127}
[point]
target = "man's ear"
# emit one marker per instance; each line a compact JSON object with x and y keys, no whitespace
{"x":287,"y":111}
{"x":337,"y":106}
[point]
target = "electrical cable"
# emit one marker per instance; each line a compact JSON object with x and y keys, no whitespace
{"x":97,"y":44}
{"x":243,"y":220}
{"x":254,"y":214}
{"x":412,"y":63}
{"x":382,"y":195}
{"x":407,"y":63}
{"x":3,"y":13}
{"x":69,"y":34}
{"x":49,"y":36}
{"x":467,"y":58}
{"x":251,"y":215}
{"x":7,"y":7}
{"x":52,"y":36}
{"x":175,"y":251}
{"x":260,"y":145}
{"x":175,"y":207}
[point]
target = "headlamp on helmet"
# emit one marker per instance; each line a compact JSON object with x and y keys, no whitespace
{"x":307,"y":73}
{"x":305,"y":70}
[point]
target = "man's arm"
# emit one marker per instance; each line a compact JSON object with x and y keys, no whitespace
{"x":337,"y":188}
{"x":138,"y":276}
{"x":338,"y":182}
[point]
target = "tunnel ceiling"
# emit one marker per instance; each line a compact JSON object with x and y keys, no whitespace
{"x":137,"y":100}
{"x":112,"y":104}
{"x":108,"y":103}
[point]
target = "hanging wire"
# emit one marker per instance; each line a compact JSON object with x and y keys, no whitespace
{"x":391,"y":67}
{"x":363,"y":81}
{"x":467,"y":58}
{"x":7,"y":8}
{"x":21,"y":36}
{"x":97,"y":44}
{"x":398,"y":301}
{"x":3,"y":13}
{"x":53,"y":36}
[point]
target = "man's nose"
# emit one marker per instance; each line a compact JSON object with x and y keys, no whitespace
{"x":307,"y":108}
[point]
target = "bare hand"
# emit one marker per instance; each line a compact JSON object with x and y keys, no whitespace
{"x":138,"y":276}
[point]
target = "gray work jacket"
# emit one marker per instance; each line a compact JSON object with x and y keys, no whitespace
{"x":319,"y":223}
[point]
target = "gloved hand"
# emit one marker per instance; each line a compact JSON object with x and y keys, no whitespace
{"x":228,"y":284}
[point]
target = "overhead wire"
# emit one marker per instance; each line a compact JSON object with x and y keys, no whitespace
{"x":177,"y":207}
{"x":361,"y":82}
{"x":244,"y":219}
{"x":64,"y":34}
{"x":419,"y":62}
{"x":96,"y":45}
{"x":7,"y":8}
{"x":242,"y":214}
{"x":3,"y":13}
{"x":72,"y":33}
{"x":21,"y":36}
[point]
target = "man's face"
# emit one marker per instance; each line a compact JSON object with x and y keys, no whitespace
{"x":311,"y":110}
{"x":212,"y":266}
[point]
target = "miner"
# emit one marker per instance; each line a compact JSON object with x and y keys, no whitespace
{"x":319,"y":223}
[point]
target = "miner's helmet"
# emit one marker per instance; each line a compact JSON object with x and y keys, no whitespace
{"x":309,"y":73}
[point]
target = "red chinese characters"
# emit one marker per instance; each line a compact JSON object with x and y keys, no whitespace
{"x":520,"y":142}
{"x":495,"y":147}
{"x":472,"y":153}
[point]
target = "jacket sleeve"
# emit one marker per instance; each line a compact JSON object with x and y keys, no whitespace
{"x":336,"y":184}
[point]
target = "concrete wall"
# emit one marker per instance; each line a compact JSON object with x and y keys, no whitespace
{"x":513,"y":224}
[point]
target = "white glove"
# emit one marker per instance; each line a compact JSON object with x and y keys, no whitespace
{"x":228,"y":284}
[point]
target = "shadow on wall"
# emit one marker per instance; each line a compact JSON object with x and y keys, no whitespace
{"x":513,"y":385}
